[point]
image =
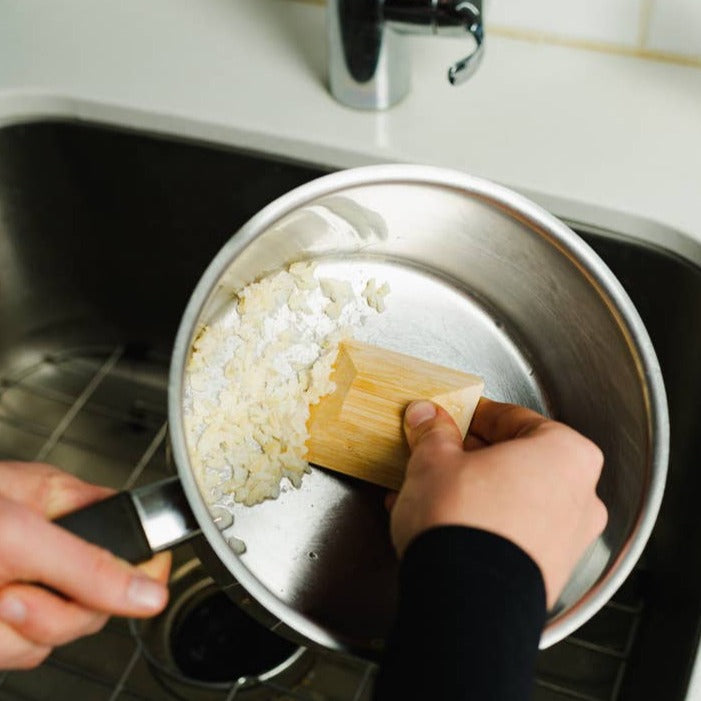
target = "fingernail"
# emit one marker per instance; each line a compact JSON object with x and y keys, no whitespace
{"x":12,"y":609}
{"x":146,"y":594}
{"x":418,"y":412}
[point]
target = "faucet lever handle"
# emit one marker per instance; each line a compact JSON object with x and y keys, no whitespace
{"x":453,"y":19}
{"x":368,"y":62}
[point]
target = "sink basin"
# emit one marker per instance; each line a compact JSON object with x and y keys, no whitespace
{"x":103,"y":235}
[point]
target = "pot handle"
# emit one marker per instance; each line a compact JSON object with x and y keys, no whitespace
{"x":137,"y":524}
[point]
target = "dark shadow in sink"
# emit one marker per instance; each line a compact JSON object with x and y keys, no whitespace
{"x":116,"y":229}
{"x":103,"y":235}
{"x":666,"y":290}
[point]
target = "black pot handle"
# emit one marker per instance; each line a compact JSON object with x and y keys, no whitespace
{"x":135,"y":525}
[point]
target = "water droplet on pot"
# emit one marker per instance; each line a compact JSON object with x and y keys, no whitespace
{"x":221,"y":516}
{"x":237,"y":545}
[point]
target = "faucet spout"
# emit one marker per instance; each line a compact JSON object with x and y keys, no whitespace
{"x":369,"y":63}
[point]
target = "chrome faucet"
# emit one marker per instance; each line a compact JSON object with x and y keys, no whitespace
{"x":369,"y":62}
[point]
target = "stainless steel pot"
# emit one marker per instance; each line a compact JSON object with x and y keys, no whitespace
{"x":483,"y":280}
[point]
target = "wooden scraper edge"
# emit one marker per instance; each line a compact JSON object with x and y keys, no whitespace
{"x":357,"y":429}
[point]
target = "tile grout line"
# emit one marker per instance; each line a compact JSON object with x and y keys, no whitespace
{"x":127,"y":672}
{"x":363,"y":683}
{"x":637,"y":51}
{"x":79,"y":403}
{"x":566,"y":692}
{"x":646,"y":7}
{"x":613,"y":49}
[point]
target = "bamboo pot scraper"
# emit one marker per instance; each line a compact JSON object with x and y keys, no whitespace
{"x":357,"y":429}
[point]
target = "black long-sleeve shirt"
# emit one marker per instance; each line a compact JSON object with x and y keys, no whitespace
{"x":471,"y":611}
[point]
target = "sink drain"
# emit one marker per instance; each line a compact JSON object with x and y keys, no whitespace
{"x":213,"y":640}
{"x":203,"y":639}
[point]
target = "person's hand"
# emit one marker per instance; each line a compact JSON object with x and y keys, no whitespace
{"x":519,"y":475}
{"x":83,"y":584}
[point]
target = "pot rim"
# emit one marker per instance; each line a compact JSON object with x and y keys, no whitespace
{"x":546,"y":224}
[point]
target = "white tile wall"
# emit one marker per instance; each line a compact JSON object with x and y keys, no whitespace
{"x":675,"y":27}
{"x":669,"y":27}
{"x":608,"y":21}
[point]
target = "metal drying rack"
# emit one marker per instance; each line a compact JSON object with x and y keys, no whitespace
{"x":82,"y":407}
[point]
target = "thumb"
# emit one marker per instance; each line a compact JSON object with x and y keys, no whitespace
{"x":430,"y":426}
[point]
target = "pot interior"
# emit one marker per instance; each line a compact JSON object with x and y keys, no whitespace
{"x":478,"y":284}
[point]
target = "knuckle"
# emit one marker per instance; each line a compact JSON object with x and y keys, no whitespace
{"x":439,"y":435}
{"x":600,"y":516}
{"x":96,"y":623}
{"x":592,"y":454}
{"x":425,"y":431}
{"x":534,"y":424}
{"x":50,"y":635}
{"x":55,"y":633}
{"x":59,"y":492}
{"x":33,"y":657}
{"x":555,"y":432}
{"x":51,"y":483}
{"x":434,"y":452}
{"x":58,"y":482}
{"x":587,"y":455}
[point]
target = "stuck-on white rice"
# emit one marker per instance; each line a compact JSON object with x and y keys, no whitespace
{"x":254,"y":373}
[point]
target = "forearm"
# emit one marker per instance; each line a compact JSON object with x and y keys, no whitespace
{"x":471,"y":611}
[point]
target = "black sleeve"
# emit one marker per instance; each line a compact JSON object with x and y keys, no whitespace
{"x":471,"y":611}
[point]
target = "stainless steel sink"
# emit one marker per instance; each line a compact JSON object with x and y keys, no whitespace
{"x":104,"y":233}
